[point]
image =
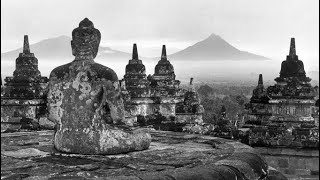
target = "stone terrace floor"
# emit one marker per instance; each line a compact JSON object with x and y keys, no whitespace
{"x":30,"y":155}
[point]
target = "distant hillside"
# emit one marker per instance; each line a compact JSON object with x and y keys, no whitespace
{"x":210,"y":49}
{"x":60,"y":48}
{"x":214,"y":48}
{"x":314,"y":75}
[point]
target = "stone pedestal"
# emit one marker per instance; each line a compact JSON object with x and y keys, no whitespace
{"x":171,"y":155}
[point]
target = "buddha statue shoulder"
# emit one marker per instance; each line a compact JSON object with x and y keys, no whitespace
{"x":84,"y":100}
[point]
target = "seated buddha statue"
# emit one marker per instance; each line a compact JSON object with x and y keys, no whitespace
{"x":84,"y":100}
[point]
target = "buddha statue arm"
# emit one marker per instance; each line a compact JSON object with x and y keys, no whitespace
{"x":55,"y":95}
{"x":112,"y":96}
{"x":53,"y":114}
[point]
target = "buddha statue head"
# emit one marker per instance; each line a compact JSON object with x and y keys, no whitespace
{"x":85,"y":40}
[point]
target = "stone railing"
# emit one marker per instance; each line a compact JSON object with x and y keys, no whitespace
{"x":293,"y":162}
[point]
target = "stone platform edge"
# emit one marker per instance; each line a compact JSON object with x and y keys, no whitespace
{"x":244,"y":163}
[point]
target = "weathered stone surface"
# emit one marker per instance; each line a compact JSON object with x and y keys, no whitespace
{"x":292,"y":66}
{"x":285,"y":114}
{"x":295,"y":162}
{"x":164,"y":68}
{"x":259,"y":93}
{"x":22,"y":96}
{"x":27,"y":81}
{"x":28,"y":123}
{"x":158,"y":95}
{"x":312,"y":164}
{"x":135,"y":77}
{"x":45,"y":124}
{"x":10,"y":127}
{"x":19,"y":114}
{"x":274,"y":174}
{"x":171,"y":155}
{"x":283,"y":163}
{"x":188,"y":118}
{"x":191,"y":104}
{"x":85,"y":102}
{"x":14,"y":113}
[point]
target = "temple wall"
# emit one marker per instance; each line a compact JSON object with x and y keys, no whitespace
{"x":292,"y":161}
{"x":256,"y":117}
{"x":188,"y":118}
{"x":251,"y":117}
{"x":141,"y":109}
{"x":316,"y":119}
{"x":279,"y":136}
{"x":292,"y":109}
{"x":8,"y":113}
{"x":165,"y":109}
{"x":13,"y":110}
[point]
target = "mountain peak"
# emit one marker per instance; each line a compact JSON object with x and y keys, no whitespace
{"x":214,"y":48}
{"x":59,"y":47}
{"x":215,"y":39}
{"x":213,"y":36}
{"x":63,"y":37}
{"x":56,"y":40}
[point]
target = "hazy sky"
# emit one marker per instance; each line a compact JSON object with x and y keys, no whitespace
{"x":259,"y":26}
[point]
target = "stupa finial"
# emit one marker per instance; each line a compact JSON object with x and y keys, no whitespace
{"x":26,"y":48}
{"x":292,"y":51}
{"x":164,"y":53}
{"x":135,"y":52}
{"x":260,"y":82}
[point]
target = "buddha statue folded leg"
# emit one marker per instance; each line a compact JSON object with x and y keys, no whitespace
{"x":105,"y":140}
{"x":116,"y":138}
{"x":87,"y":130}
{"x":118,"y":141}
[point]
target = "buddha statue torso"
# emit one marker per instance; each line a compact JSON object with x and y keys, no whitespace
{"x":81,"y":85}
